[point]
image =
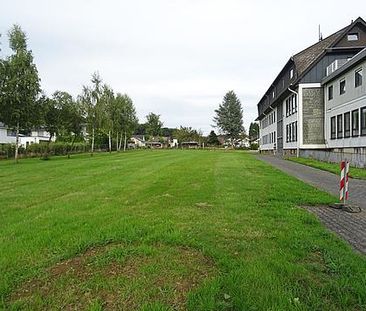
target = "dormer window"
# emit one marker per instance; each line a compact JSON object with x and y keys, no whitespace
{"x":273,"y":94}
{"x":352,"y":37}
{"x":291,"y":73}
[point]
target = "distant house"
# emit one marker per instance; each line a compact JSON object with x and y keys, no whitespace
{"x":138,"y":141}
{"x":173,"y":143}
{"x":189,"y":144}
{"x":154,"y":144}
{"x":8,"y":136}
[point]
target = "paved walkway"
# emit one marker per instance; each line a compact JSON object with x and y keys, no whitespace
{"x":351,"y":227}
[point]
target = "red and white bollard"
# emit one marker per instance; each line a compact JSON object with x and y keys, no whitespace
{"x":343,"y":189}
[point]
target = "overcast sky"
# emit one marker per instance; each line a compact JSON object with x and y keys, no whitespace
{"x":176,"y":58}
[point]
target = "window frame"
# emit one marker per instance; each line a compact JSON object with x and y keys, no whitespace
{"x":347,"y":132}
{"x":339,"y":126}
{"x":356,"y":34}
{"x":330,"y":92}
{"x":291,"y":73}
{"x":342,"y":90}
{"x":333,"y":127}
{"x":357,"y":128}
{"x":363,"y":121}
{"x":358,"y":71}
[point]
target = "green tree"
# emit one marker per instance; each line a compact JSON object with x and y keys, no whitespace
{"x":107,"y":113}
{"x":253,"y":131}
{"x":92,"y":107}
{"x":19,"y":87}
{"x":153,"y":124}
{"x":185,"y":134}
{"x":229,"y":117}
{"x":71,"y":117}
{"x":212,"y":139}
{"x":127,"y":120}
{"x":140,"y":129}
{"x":51,"y":119}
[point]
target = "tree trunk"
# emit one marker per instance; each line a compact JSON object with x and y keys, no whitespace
{"x":110,"y":141}
{"x":45,"y":156}
{"x":92,"y":145}
{"x":17,"y":143}
{"x":72,"y":145}
{"x":117,"y":142}
{"x":120,"y":142}
{"x":125,"y":143}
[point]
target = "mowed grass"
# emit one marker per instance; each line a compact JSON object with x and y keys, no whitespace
{"x":359,"y":173}
{"x":168,"y":230}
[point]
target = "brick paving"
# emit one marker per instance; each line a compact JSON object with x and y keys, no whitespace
{"x":351,"y":227}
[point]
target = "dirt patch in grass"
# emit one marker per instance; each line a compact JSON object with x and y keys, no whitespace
{"x":203,"y":205}
{"x":119,"y":277}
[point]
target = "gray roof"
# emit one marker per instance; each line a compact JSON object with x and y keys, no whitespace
{"x":354,"y":61}
{"x":304,"y":59}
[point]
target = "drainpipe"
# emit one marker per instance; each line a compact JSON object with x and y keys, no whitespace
{"x":297,"y":99}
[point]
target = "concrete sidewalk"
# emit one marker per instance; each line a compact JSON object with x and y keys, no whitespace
{"x":351,"y":227}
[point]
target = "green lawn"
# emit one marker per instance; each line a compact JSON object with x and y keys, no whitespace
{"x":168,"y":230}
{"x":355,"y":172}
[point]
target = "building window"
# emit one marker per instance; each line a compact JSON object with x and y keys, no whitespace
{"x":363,"y":121}
{"x":355,"y":123}
{"x":347,"y":125}
{"x":352,"y":37}
{"x":273,"y":94}
{"x":342,"y":87}
{"x":330,"y":92}
{"x":339,"y":126}
{"x":358,"y":77}
{"x":295,"y":100}
{"x":291,"y":73}
{"x":333,"y":127}
{"x":296,"y":131}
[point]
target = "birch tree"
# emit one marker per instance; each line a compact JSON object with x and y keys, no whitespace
{"x":90,"y":100}
{"x":19,"y":87}
{"x":126,"y":118}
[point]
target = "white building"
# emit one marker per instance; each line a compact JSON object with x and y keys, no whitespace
{"x":295,"y":114}
{"x":345,"y":107}
{"x":268,"y":131}
{"x":7,"y":136}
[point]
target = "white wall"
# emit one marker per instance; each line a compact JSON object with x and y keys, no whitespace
{"x":4,"y":138}
{"x":288,"y":120}
{"x":266,"y":127}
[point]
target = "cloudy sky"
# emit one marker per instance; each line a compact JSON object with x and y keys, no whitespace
{"x":176,"y":58}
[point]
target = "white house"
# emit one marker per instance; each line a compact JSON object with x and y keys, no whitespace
{"x":7,"y":136}
{"x":138,"y":141}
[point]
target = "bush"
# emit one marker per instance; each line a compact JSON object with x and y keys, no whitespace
{"x":8,"y":151}
{"x":56,"y":148}
{"x":254,"y":146}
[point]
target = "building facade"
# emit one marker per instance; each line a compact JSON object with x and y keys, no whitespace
{"x":292,"y":112}
{"x":345,"y":107}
